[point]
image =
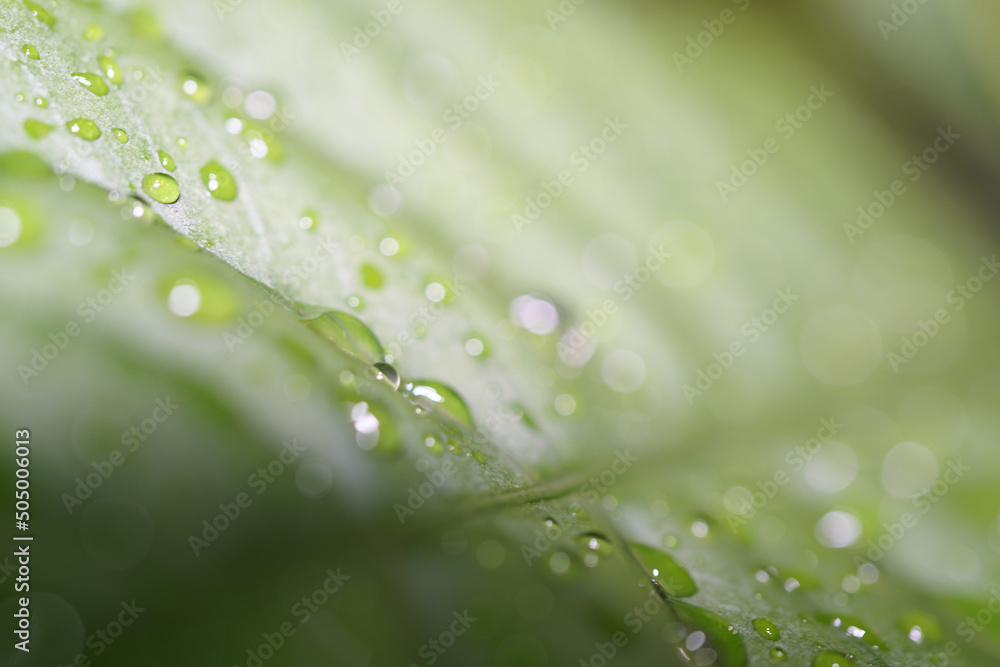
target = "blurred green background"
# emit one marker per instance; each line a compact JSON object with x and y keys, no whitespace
{"x":691,"y":306}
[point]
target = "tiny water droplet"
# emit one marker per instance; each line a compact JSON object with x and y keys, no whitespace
{"x":93,"y":32}
{"x":766,"y":628}
{"x":831,"y":659}
{"x":919,"y":627}
{"x":84,"y":128}
{"x":36,"y":129}
{"x":161,"y":187}
{"x":355,"y":302}
{"x":307,"y":220}
{"x":30,"y":51}
{"x":182,"y":142}
{"x":20,"y":97}
{"x":433,"y":444}
{"x":41,"y":102}
{"x":110,"y":69}
{"x":441,"y":399}
{"x":166,"y":161}
{"x":853,"y":626}
{"x":779,"y":653}
{"x":474,"y":346}
{"x":120,"y":134}
{"x":219,"y":181}
{"x":40,"y":13}
{"x":196,"y":88}
{"x":596,"y":546}
{"x":387,"y":374}
{"x":667,"y":573}
{"x":91,"y":82}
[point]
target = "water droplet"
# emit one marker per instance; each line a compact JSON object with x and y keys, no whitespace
{"x":766,"y":628}
{"x":182,"y":143}
{"x":370,"y":276}
{"x":388,"y":246}
{"x":667,"y":573}
{"x":36,"y":129}
{"x":441,"y":399}
{"x":779,"y":653}
{"x":41,"y":103}
{"x":433,"y":444}
{"x":853,"y":626}
{"x":120,"y":134}
{"x":219,"y":181}
{"x":355,"y":302}
{"x":84,"y":128}
{"x":387,"y":374}
{"x":93,"y":32}
{"x":375,"y":429}
{"x":161,"y":187}
{"x":564,"y":405}
{"x":308,"y":220}
{"x":474,"y":346}
{"x":40,"y":13}
{"x":30,"y":51}
{"x":921,"y":627}
{"x":721,"y":635}
{"x":110,"y":69}
{"x":597,"y":546}
{"x":20,"y":97}
{"x":196,"y":88}
{"x":345,"y":331}
{"x":91,"y":82}
{"x":166,"y":161}
{"x":831,"y":659}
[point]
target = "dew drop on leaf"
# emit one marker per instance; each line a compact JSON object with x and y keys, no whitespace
{"x":779,"y":654}
{"x":111,"y":69}
{"x":30,"y":51}
{"x":196,"y":88}
{"x":853,"y":626}
{"x":386,"y":373}
{"x":219,"y":181}
{"x":36,"y":129}
{"x":93,"y":32}
{"x":441,"y":399}
{"x":166,"y":160}
{"x":91,"y":82}
{"x":766,"y":628}
{"x":41,"y":103}
{"x":831,"y":659}
{"x":40,"y":13}
{"x":667,"y":573}
{"x":120,"y":134}
{"x":920,"y":627}
{"x":370,"y":276}
{"x":727,"y":644}
{"x":161,"y":187}
{"x":84,"y":128}
{"x":345,"y":331}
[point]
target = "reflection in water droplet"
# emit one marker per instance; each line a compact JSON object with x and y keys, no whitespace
{"x":41,"y":103}
{"x":766,"y":628}
{"x":441,"y":399}
{"x":84,"y":128}
{"x":30,"y":51}
{"x":40,"y":13}
{"x":667,"y":573}
{"x":387,"y":374}
{"x":345,"y":331}
{"x":120,"y":134}
{"x":779,"y":653}
{"x":920,"y":627}
{"x":111,"y":69}
{"x":853,"y":626}
{"x":166,"y":161}
{"x":219,"y":181}
{"x":91,"y":82}
{"x":161,"y":187}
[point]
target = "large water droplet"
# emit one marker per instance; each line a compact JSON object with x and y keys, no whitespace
{"x":161,"y":187}
{"x":345,"y":331}
{"x":441,"y":399}
{"x":386,"y":373}
{"x":36,"y":129}
{"x":30,"y":51}
{"x":91,"y":82}
{"x":111,"y":69}
{"x":166,"y":161}
{"x":84,"y":128}
{"x":120,"y":134}
{"x":831,"y":659}
{"x":219,"y":181}
{"x":766,"y":628}
{"x":727,"y":644}
{"x":667,"y":573}
{"x":40,"y":13}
